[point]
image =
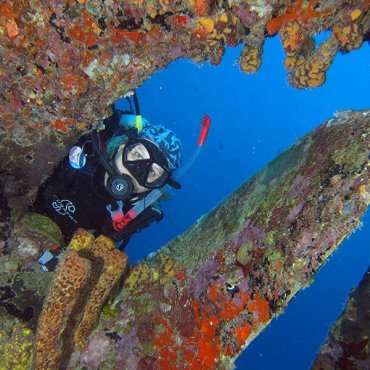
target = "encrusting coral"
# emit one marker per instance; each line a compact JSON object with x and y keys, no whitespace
{"x":16,"y":349}
{"x":198,"y":301}
{"x":66,"y":63}
{"x":83,"y":280}
{"x":302,"y":20}
{"x":348,"y":343}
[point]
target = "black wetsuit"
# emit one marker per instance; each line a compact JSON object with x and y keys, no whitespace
{"x":77,"y":198}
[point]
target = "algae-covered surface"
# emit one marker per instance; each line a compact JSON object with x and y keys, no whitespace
{"x":347,"y":346}
{"x":203,"y":297}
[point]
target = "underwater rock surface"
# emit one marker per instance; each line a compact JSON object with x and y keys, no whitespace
{"x":65,"y":62}
{"x":207,"y":294}
{"x":347,"y":346}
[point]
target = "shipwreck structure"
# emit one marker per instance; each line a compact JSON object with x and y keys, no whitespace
{"x":62,"y":64}
{"x":348,"y":344}
{"x":190,"y":306}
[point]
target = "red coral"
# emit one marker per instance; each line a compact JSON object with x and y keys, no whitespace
{"x":63,"y":125}
{"x":87,"y":32}
{"x":201,"y":7}
{"x":261,"y":307}
{"x":133,"y":37}
{"x":242,"y":333}
{"x":299,"y":12}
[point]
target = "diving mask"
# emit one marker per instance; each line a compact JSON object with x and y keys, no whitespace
{"x":146,"y":163}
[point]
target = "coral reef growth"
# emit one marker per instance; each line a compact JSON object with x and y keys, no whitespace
{"x":19,"y":280}
{"x":206,"y":295}
{"x":302,"y":20}
{"x":347,"y":346}
{"x":83,"y":281}
{"x":65,"y":63}
{"x":201,"y":299}
{"x":16,"y":345}
{"x":312,"y":72}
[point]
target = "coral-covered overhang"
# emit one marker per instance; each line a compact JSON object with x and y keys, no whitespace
{"x":63,"y":63}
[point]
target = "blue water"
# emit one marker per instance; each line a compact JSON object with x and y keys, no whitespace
{"x":255,"y":117}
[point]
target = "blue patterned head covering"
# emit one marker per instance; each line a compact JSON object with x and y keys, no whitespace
{"x":166,"y":141}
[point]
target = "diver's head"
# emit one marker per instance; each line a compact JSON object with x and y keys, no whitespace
{"x":146,"y":161}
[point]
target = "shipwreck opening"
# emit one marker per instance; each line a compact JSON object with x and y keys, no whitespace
{"x":71,"y":77}
{"x":254,"y":118}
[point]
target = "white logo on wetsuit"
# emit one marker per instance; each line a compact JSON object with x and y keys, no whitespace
{"x":119,"y":187}
{"x":64,"y":207}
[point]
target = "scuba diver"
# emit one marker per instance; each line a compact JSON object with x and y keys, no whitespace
{"x":109,"y":184}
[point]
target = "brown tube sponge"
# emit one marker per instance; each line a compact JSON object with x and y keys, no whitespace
{"x":70,"y":278}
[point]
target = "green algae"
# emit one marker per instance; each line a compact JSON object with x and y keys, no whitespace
{"x":269,"y":240}
{"x":43,"y":225}
{"x":243,"y":254}
{"x":254,"y":197}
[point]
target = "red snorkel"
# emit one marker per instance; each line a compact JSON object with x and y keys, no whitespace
{"x":206,"y":124}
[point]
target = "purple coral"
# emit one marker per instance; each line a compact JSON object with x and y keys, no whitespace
{"x":295,"y":211}
{"x":96,"y":350}
{"x":201,"y":281}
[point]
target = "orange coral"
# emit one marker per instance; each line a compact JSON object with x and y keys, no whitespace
{"x":201,"y":7}
{"x":300,"y":12}
{"x":74,"y":83}
{"x":70,"y":278}
{"x":167,"y":350}
{"x":261,"y":307}
{"x":242,"y":333}
{"x":205,"y":27}
{"x":85,"y":32}
{"x":297,"y":44}
{"x":63,"y":125}
{"x":251,"y":58}
{"x":279,"y":265}
{"x":312,"y":72}
{"x":7,"y":11}
{"x":11,"y":28}
{"x":133,"y":36}
{"x":181,"y":21}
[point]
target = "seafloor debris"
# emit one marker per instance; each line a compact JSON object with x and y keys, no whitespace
{"x":64,"y":64}
{"x":347,"y":346}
